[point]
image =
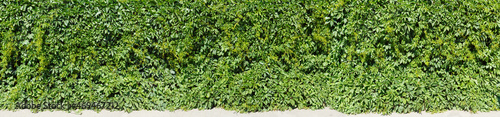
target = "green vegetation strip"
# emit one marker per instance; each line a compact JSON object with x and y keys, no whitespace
{"x":354,"y":56}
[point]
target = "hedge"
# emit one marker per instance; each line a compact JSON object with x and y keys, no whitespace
{"x":354,"y":56}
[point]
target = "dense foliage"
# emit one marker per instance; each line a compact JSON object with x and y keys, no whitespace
{"x":353,"y":56}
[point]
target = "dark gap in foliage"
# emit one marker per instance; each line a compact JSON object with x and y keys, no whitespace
{"x":460,"y":39}
{"x":18,"y":27}
{"x":487,"y":40}
{"x":483,"y":62}
{"x":472,"y":48}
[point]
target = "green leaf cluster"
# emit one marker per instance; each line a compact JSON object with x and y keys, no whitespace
{"x":354,"y":56}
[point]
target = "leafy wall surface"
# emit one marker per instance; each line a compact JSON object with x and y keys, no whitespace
{"x":354,"y":56}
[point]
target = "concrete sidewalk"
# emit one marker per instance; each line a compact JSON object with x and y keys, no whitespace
{"x":223,"y":113}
